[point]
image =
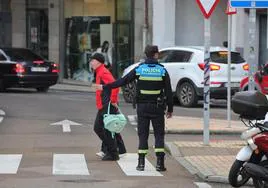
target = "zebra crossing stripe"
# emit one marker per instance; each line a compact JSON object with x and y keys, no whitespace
{"x":9,"y":164}
{"x":2,"y":113}
{"x":202,"y":185}
{"x":69,"y":164}
{"x":132,"y":119}
{"x":128,"y":164}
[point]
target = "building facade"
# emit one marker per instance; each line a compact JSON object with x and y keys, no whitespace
{"x":180,"y":22}
{"x":69,"y":31}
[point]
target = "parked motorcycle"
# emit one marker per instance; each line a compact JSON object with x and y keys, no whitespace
{"x":252,"y":107}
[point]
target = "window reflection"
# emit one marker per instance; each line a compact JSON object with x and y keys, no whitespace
{"x":82,"y":40}
{"x":123,"y":10}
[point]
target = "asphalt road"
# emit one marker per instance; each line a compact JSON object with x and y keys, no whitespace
{"x":36,"y":153}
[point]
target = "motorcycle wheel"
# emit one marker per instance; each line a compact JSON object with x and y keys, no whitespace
{"x":237,"y":176}
{"x":260,"y":183}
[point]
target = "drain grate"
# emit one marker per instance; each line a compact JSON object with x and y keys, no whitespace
{"x":84,"y":181}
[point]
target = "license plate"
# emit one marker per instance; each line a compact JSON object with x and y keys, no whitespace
{"x":39,"y":69}
{"x":233,"y":84}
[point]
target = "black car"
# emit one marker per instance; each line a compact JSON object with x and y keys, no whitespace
{"x":20,"y":67}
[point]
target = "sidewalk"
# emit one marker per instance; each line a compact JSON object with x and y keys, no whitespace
{"x":191,"y":125}
{"x":211,"y":163}
{"x":69,"y":85}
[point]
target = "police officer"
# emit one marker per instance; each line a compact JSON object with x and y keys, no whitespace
{"x":153,"y":94}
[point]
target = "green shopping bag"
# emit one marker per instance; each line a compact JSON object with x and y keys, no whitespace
{"x":115,"y":123}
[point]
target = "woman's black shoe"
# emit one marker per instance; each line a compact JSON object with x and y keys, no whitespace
{"x":109,"y":157}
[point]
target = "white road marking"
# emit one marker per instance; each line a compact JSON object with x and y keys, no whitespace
{"x":69,"y":164}
{"x":2,"y":113}
{"x":9,"y":164}
{"x":202,"y":185}
{"x":132,"y":119}
{"x":66,"y":124}
{"x":128,"y":165}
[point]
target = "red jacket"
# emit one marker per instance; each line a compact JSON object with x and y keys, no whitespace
{"x":104,"y":76}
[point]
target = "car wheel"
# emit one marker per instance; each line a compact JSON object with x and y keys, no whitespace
{"x":42,"y":89}
{"x":129,"y":92}
{"x":186,"y":94}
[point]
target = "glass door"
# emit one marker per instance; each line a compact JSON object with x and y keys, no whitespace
{"x":37,"y":31}
{"x":123,"y":46}
{"x":123,"y":36}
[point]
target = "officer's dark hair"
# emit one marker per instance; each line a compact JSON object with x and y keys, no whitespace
{"x":150,"y":51}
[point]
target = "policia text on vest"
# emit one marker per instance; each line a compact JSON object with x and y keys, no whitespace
{"x":152,"y":96}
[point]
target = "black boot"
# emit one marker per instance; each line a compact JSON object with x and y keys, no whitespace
{"x":111,"y":157}
{"x":141,"y":162}
{"x":160,"y":164}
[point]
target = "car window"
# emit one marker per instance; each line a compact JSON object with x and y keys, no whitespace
{"x":2,"y":57}
{"x":163,"y":56}
{"x":222,"y":57}
{"x":179,"y":56}
{"x":22,"y":55}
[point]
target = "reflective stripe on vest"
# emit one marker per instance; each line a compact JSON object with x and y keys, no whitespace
{"x":150,"y":92}
{"x":151,"y":78}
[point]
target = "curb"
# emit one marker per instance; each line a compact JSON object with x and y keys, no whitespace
{"x":70,"y":87}
{"x":174,"y":152}
{"x":194,"y":171}
{"x":198,"y":132}
{"x":70,"y":90}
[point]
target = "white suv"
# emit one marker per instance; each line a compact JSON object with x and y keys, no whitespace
{"x":186,"y":69}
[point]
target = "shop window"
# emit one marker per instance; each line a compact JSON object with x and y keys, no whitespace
{"x":5,"y":28}
{"x":37,"y":31}
{"x":37,"y":4}
{"x":92,"y":24}
{"x":83,"y":38}
{"x":5,"y":23}
{"x":4,"y":6}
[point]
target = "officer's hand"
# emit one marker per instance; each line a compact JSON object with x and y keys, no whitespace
{"x":97,"y":86}
{"x":169,"y":115}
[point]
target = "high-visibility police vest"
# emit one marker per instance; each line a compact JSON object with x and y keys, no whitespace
{"x":150,"y":83}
